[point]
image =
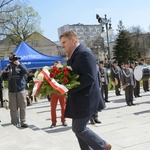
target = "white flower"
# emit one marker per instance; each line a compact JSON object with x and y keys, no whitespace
{"x":40,"y":76}
{"x":69,"y":67}
{"x":46,"y":67}
{"x":59,"y":65}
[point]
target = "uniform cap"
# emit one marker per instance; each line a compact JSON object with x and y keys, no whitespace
{"x":115,"y":62}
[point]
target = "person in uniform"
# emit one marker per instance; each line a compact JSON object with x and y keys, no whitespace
{"x":116,"y":76}
{"x":145,"y":82}
{"x":137,"y":83}
{"x":104,"y":81}
{"x":128,"y":83}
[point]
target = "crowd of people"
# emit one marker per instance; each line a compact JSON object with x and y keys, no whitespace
{"x":123,"y":78}
{"x":83,"y":102}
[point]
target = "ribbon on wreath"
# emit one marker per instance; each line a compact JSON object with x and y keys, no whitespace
{"x":59,"y":87}
{"x":37,"y":84}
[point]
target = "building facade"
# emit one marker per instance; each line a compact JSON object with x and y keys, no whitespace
{"x":35,"y":40}
{"x":86,"y":33}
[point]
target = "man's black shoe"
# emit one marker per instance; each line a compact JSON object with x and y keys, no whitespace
{"x":129,"y":104}
{"x":139,"y":96}
{"x":53,"y":125}
{"x":24,"y":125}
{"x":118,"y":94}
{"x":133,"y":104}
{"x":97,"y":121}
{"x":64,"y":123}
{"x":92,"y":121}
{"x":107,"y":101}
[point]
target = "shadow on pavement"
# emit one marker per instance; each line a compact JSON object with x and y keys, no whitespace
{"x":142,"y":112}
{"x":56,"y":129}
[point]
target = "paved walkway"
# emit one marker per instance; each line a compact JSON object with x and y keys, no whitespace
{"x":124,"y":127}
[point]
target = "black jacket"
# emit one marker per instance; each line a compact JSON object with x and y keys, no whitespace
{"x":16,"y":78}
{"x":85,"y":99}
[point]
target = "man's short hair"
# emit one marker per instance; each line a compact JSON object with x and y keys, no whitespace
{"x":101,"y":62}
{"x":69,"y":34}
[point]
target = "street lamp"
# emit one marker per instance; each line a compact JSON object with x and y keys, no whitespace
{"x":109,"y":30}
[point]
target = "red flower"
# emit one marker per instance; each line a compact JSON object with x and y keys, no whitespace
{"x":65,"y":69}
{"x":57,"y":71}
{"x":55,"y":68}
{"x":52,"y":74}
{"x":66,"y":73}
{"x":65,"y":80}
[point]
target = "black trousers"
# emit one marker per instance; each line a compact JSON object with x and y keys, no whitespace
{"x":137,"y":89}
{"x":129,"y":94}
{"x":104,"y":91}
{"x":145,"y":85}
{"x":117,"y":87}
{"x":1,"y":98}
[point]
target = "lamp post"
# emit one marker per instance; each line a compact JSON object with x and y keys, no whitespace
{"x":109,"y":30}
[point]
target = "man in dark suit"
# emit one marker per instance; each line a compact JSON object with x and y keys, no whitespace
{"x":83,"y":100}
{"x":94,"y":119}
{"x":1,"y":91}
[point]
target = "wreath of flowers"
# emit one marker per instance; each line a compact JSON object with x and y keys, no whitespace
{"x":55,"y":79}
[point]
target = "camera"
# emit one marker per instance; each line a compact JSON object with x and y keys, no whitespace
{"x":6,"y":68}
{"x":13,"y":57}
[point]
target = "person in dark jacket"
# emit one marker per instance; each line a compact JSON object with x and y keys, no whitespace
{"x":83,"y":100}
{"x":1,"y":91}
{"x":94,"y":119}
{"x":30,"y":84}
{"x":15,"y":73}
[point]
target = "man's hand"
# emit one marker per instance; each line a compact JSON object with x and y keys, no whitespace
{"x":5,"y":70}
{"x":16,"y":62}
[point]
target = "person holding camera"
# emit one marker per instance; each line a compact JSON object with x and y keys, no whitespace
{"x":15,"y":74}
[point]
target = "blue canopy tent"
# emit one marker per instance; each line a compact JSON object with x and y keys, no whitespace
{"x":31,"y":58}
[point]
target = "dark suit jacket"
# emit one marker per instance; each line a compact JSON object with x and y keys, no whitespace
{"x":85,"y":99}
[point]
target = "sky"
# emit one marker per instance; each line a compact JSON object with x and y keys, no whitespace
{"x":57,"y":13}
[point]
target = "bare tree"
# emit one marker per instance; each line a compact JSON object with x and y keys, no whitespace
{"x":20,"y":23}
{"x":140,"y":41}
{"x":6,"y":5}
